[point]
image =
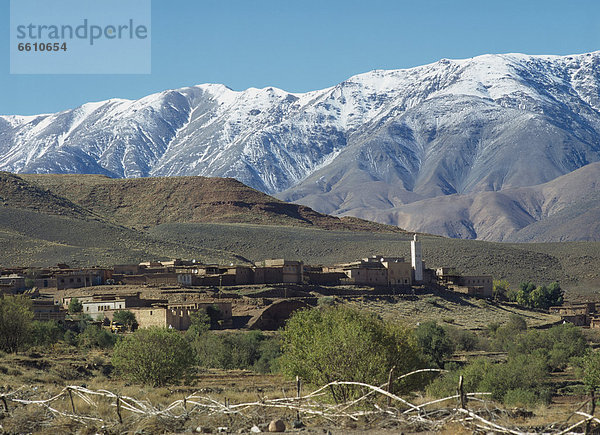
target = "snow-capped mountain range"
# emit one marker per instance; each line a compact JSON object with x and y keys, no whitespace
{"x":374,"y":142}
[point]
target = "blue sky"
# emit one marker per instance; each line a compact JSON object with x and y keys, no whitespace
{"x":305,"y":44}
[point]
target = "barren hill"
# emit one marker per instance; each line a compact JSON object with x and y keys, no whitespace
{"x":564,"y":209}
{"x":146,"y":202}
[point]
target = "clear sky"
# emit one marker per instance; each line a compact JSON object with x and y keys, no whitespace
{"x":302,"y":45}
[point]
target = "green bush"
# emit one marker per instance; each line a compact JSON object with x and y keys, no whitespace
{"x":246,"y":350}
{"x":344,"y":344}
{"x":523,"y":378}
{"x":200,"y":323}
{"x":542,"y":297}
{"x":462,"y":339}
{"x":526,"y":398}
{"x":591,"y":371}
{"x":94,"y":336}
{"x":434,"y":342}
{"x":501,"y":290}
{"x":556,"y":345}
{"x":45,"y":333}
{"x":503,"y":335}
{"x":525,"y":372}
{"x":155,"y":356}
{"x":126,"y":318}
{"x":75,"y":306}
{"x":70,"y":337}
{"x":16,"y":321}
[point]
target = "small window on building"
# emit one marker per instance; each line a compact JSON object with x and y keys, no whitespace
{"x":150,"y":312}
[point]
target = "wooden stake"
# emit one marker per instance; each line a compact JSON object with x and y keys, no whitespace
{"x":4,"y":402}
{"x":119,"y":409}
{"x":71,"y":397}
{"x":461,"y":393}
{"x":588,"y":424}
{"x":389,"y":385}
{"x":297,"y":396}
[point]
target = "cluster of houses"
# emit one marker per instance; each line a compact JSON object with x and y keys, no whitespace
{"x":374,"y":271}
{"x":586,"y":314}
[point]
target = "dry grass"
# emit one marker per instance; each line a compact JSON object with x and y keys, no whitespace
{"x":462,"y":312}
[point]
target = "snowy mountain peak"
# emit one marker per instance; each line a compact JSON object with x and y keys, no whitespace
{"x":449,"y":126}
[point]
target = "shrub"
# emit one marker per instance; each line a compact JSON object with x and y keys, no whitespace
{"x":155,"y":356}
{"x":344,"y":344}
{"x":525,"y":372}
{"x":94,"y":336}
{"x":501,"y":290}
{"x":126,"y":318}
{"x":200,"y":323}
{"x":556,"y":345}
{"x":434,"y":342}
{"x":15,"y":322}
{"x":70,"y":337}
{"x":45,"y":333}
{"x":542,"y":297}
{"x":462,"y":339}
{"x":246,"y":350}
{"x":504,"y":335}
{"x":591,"y":371}
{"x":526,"y":398}
{"x":75,"y":306}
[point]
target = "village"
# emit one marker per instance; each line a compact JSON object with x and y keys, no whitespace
{"x":260,"y":296}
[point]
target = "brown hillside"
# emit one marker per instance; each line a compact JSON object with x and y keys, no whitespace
{"x":146,"y":202}
{"x":15,"y":192}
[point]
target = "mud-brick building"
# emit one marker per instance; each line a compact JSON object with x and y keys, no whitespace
{"x":178,"y":316}
{"x":584,"y":314}
{"x":79,"y":278}
{"x":97,"y":306}
{"x":278,"y":270}
{"x":377,"y":270}
{"x":45,"y":309}
{"x":474,"y":285}
{"x":11,"y":283}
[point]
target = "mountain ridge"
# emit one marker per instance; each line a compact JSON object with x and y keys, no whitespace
{"x":377,"y":140}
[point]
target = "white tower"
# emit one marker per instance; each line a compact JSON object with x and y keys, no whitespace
{"x":417,"y":260}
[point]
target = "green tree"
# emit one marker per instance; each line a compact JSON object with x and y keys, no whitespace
{"x":344,"y":344}
{"x":501,"y":289}
{"x":155,"y":356}
{"x":462,"y":339}
{"x":200,"y":323}
{"x":94,"y":336}
{"x":45,"y":333}
{"x":556,"y":346}
{"x":542,"y":297}
{"x":525,"y":290}
{"x":556,"y":294}
{"x":503,"y":335}
{"x":244,"y":350}
{"x":16,"y":318}
{"x":434,"y":342}
{"x":591,"y":371}
{"x":126,"y":318}
{"x":75,"y":306}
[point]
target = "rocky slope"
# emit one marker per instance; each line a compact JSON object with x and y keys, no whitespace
{"x":566,"y":208}
{"x":146,"y":202}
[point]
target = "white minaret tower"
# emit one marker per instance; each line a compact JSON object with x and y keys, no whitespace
{"x":417,"y":259}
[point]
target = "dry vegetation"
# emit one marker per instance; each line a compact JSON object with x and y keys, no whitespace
{"x":464,"y":313}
